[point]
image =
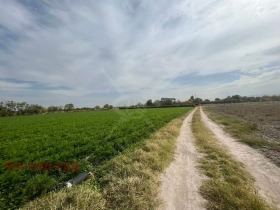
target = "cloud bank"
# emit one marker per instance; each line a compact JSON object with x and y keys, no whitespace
{"x":121,"y":52}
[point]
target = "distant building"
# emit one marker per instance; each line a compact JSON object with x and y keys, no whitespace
{"x":167,"y":99}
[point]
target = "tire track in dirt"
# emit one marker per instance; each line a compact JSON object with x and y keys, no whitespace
{"x":181,"y":181}
{"x":266,"y":174}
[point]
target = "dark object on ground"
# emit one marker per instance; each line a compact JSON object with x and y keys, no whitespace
{"x":78,"y":180}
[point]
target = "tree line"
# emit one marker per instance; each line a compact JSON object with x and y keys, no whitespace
{"x":11,"y":108}
{"x":195,"y":101}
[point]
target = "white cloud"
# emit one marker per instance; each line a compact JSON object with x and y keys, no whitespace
{"x":14,"y":16}
{"x":137,"y":47}
{"x":10,"y":86}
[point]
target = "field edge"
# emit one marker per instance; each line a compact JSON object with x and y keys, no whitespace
{"x":128,"y":181}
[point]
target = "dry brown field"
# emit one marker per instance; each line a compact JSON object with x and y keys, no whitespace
{"x":256,"y":123}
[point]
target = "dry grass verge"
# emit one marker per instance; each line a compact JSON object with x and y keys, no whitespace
{"x":85,"y":196}
{"x":229,"y":185}
{"x":129,"y":181}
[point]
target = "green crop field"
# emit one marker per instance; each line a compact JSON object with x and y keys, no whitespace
{"x":86,"y":138}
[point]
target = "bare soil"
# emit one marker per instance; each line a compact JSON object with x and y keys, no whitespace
{"x":181,"y":181}
{"x":265,"y":116}
{"x":266,"y":174}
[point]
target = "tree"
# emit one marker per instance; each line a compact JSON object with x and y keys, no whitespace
{"x":217,"y":100}
{"x":139,"y":104}
{"x":275,"y":98}
{"x":149,"y":102}
{"x":69,"y":107}
{"x":97,"y":107}
{"x":3,"y":109}
{"x":11,"y":105}
{"x":21,"y":107}
{"x":227,"y":99}
{"x":167,"y":102}
{"x":197,"y":101}
{"x":236,"y":98}
{"x":35,"y":109}
{"x":54,"y":108}
{"x":106,"y":106}
{"x":265,"y":98}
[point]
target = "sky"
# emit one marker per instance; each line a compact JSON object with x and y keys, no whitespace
{"x":126,"y":51}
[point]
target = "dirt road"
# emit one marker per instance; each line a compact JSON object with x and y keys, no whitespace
{"x":266,"y":174}
{"x":181,"y":180}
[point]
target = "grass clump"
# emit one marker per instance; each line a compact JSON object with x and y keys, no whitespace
{"x":229,"y":185}
{"x":85,"y":196}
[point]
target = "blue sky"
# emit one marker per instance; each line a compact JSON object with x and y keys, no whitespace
{"x":126,"y":51}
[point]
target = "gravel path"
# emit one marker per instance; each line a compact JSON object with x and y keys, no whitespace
{"x":267,"y":174}
{"x":181,"y":181}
